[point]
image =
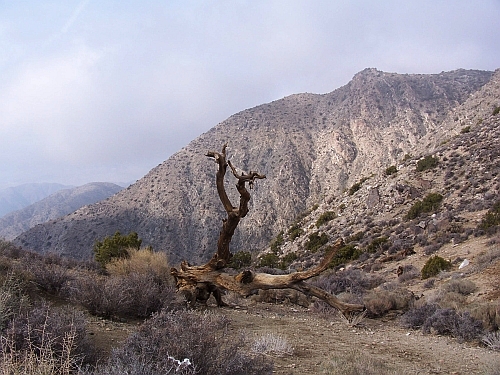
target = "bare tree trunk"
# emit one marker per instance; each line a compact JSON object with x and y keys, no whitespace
{"x":197,"y":283}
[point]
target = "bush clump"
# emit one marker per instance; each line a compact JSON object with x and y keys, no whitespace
{"x":325,"y":217}
{"x":198,"y":340}
{"x":449,"y":322}
{"x":269,"y":260}
{"x":429,"y":162}
{"x":379,"y":302}
{"x":316,"y":241}
{"x":491,"y":219}
{"x":287,"y":260}
{"x":430,"y":203}
{"x":377,"y":244}
{"x":462,"y":287}
{"x":115,"y":247}
{"x":240,"y":259}
{"x":354,"y":188}
{"x":51,"y":338}
{"x":345,"y":255}
{"x":391,"y":170}
{"x":134,"y":295}
{"x":277,"y":243}
{"x":294,"y":232}
{"x":415,"y":318}
{"x":434,"y":265}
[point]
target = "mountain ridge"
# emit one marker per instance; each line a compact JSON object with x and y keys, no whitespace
{"x":17,"y":197}
{"x":54,"y":206}
{"x":308,"y":145}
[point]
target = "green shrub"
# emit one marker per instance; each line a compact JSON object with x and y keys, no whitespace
{"x":345,"y":255}
{"x":430,"y":203}
{"x":407,"y":157}
{"x":377,"y":244}
{"x":316,"y":241}
{"x":391,"y":170}
{"x":115,"y":247}
{"x":277,"y":242}
{"x":354,"y":188}
{"x":426,"y":163}
{"x":492,"y":218}
{"x":294,"y":232}
{"x":435,"y":265}
{"x":240,"y":259}
{"x":356,"y":237}
{"x":269,"y":260}
{"x":496,"y":110}
{"x":287,"y":260}
{"x":325,"y":217}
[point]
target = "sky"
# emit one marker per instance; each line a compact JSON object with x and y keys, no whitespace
{"x":106,"y":90}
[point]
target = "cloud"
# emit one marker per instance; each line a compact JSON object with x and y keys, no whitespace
{"x":107,"y":90}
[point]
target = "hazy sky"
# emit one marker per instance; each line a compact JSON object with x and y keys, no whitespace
{"x":106,"y":90}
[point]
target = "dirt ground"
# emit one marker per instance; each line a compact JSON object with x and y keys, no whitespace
{"x":318,"y":339}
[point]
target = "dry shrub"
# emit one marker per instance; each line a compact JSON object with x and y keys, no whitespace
{"x":200,"y":338}
{"x":136,"y":287}
{"x":488,"y":313}
{"x":142,"y":366}
{"x":49,"y":277}
{"x":352,"y":281}
{"x":450,"y":322}
{"x":354,"y":363}
{"x":379,"y":302}
{"x":492,"y":340}
{"x":142,"y":261}
{"x":42,"y":333}
{"x":460,"y":286}
{"x":12,"y":298}
{"x":410,"y":272}
{"x":272,"y":344}
{"x":282,"y":296}
{"x":488,"y":258}
{"x":129,"y":296}
{"x":451,"y":300}
{"x":415,"y":318}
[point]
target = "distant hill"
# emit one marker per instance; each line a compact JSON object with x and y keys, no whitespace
{"x":17,"y":197}
{"x":56,"y":205}
{"x":311,"y":147}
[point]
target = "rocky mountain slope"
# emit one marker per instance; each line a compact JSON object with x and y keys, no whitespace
{"x":311,"y":147}
{"x":54,"y":206}
{"x":17,"y":197}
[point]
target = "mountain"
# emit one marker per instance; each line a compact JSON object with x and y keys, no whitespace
{"x":17,"y":197}
{"x":54,"y":206}
{"x":310,"y":146}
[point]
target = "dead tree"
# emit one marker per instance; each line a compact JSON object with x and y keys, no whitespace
{"x":197,"y":283}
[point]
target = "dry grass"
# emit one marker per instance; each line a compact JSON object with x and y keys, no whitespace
{"x":272,"y":344}
{"x":353,"y":319}
{"x":354,"y":363}
{"x":142,"y":261}
{"x":492,"y":340}
{"x":39,"y":360}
